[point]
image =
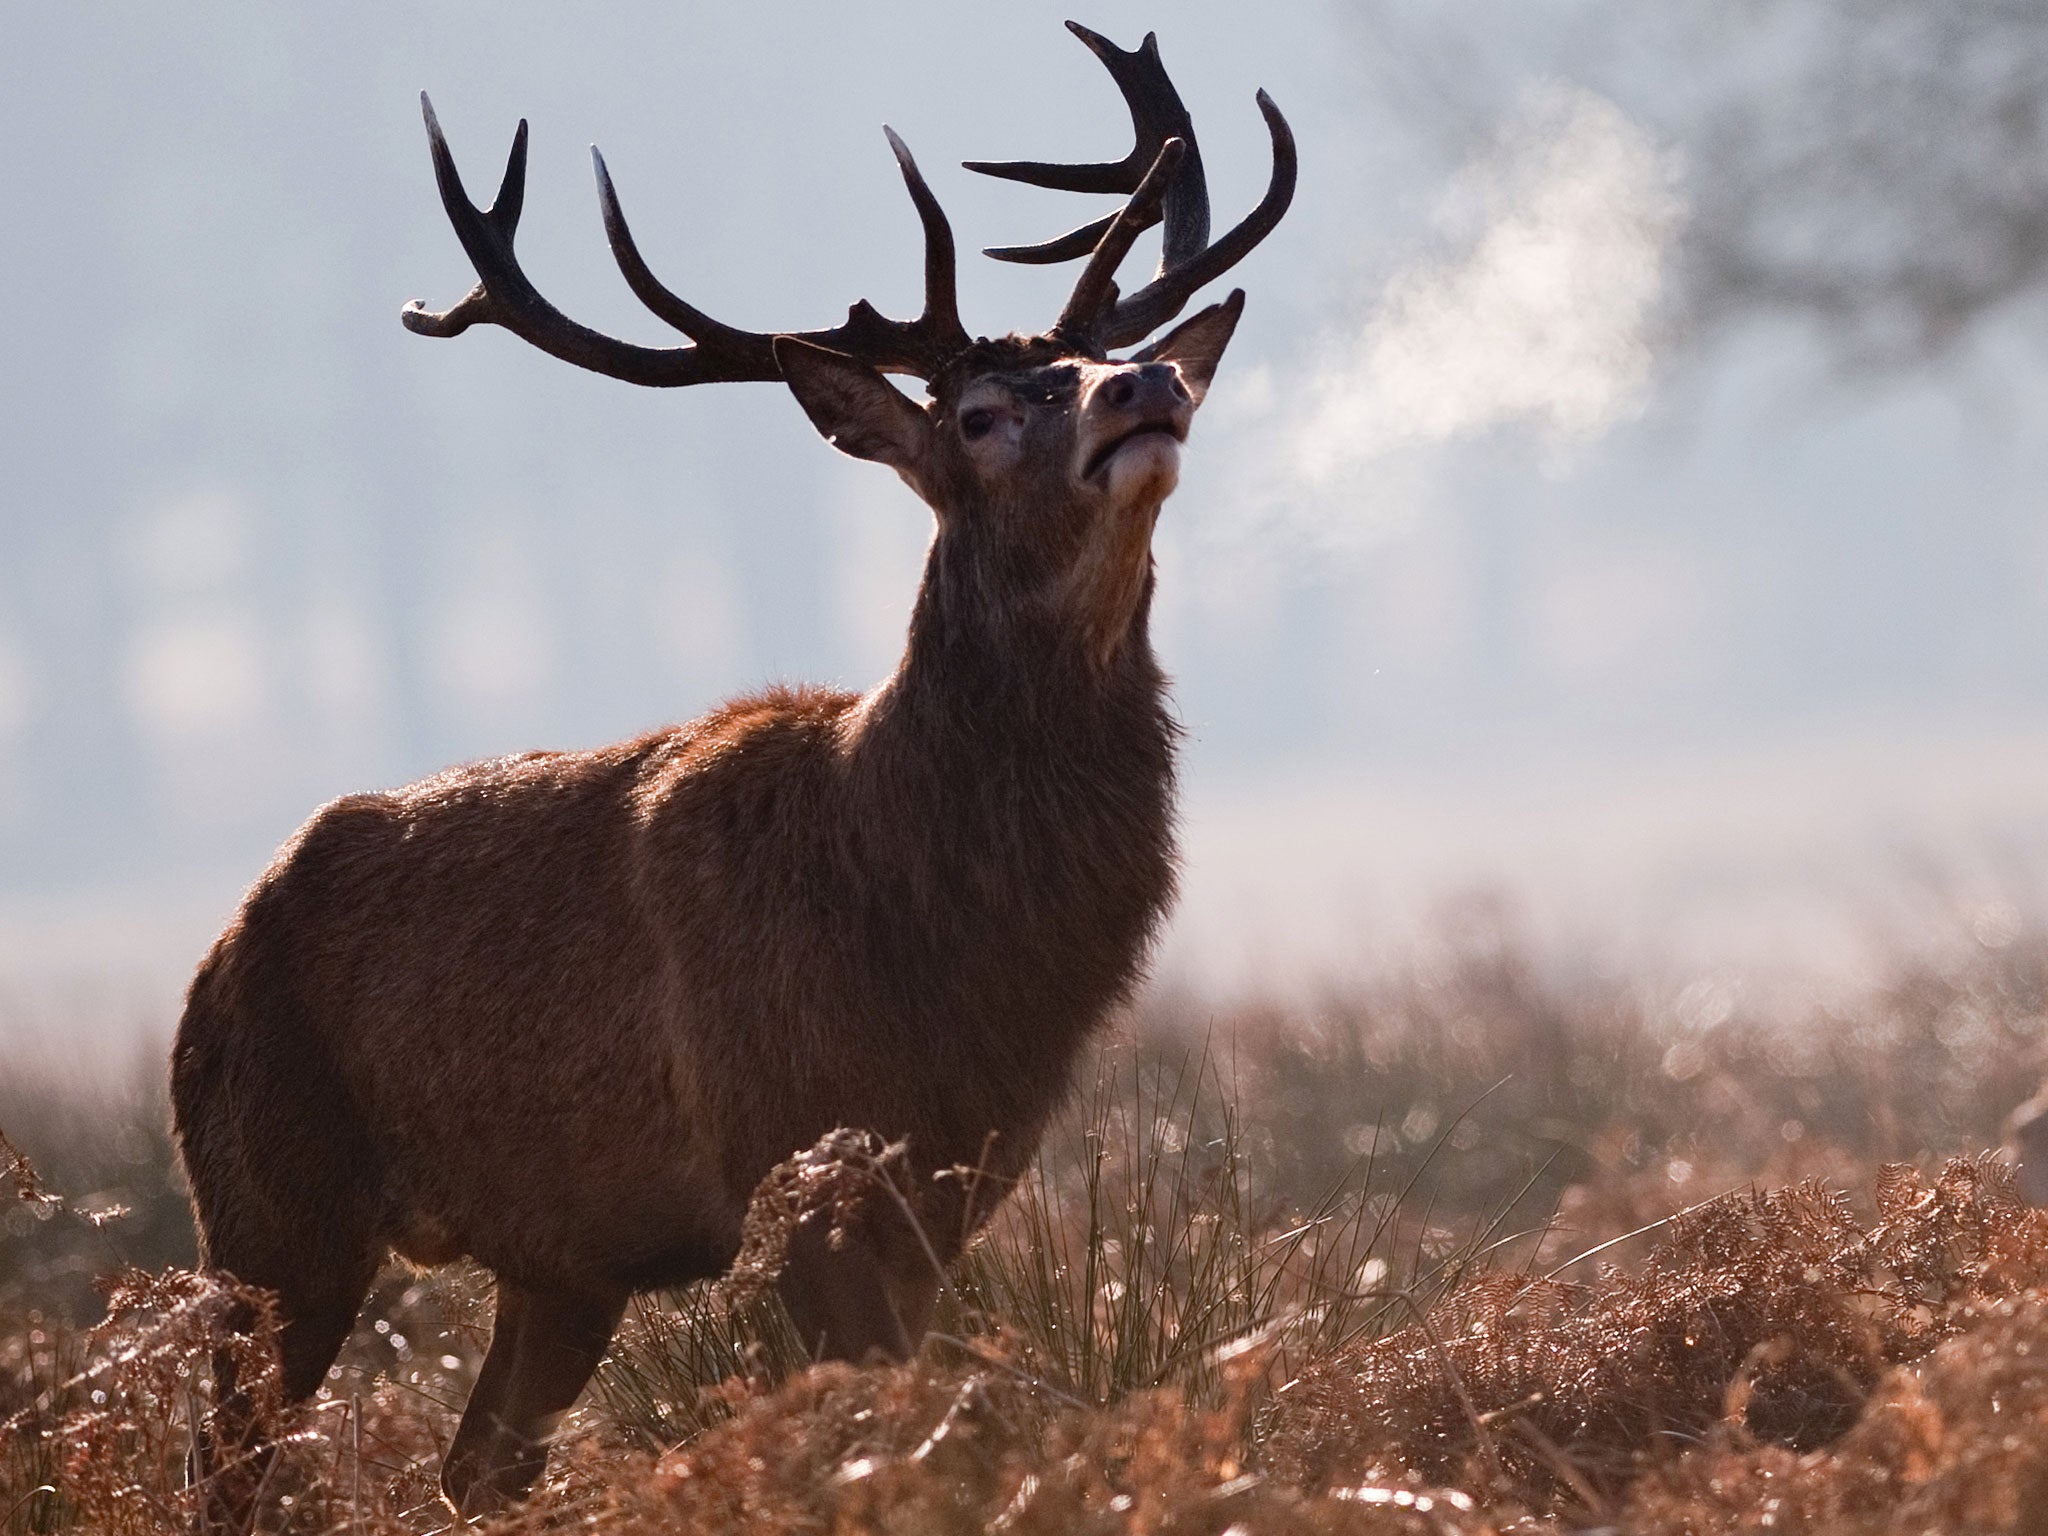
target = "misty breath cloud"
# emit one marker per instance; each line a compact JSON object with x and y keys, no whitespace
{"x":1544,"y":321}
{"x":1538,"y":314}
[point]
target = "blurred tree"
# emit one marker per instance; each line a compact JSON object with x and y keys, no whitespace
{"x":1880,"y":168}
{"x":1877,"y":168}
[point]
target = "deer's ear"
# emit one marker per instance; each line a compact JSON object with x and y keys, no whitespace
{"x":1197,"y":344}
{"x":857,"y":410}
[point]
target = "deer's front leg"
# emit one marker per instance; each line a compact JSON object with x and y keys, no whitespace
{"x":863,"y":1291}
{"x":544,"y":1347}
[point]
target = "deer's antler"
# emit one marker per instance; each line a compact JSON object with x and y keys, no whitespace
{"x":719,"y":352}
{"x":1188,"y":260}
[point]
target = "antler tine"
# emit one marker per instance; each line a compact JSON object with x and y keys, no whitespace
{"x":917,"y":346}
{"x":709,"y":334}
{"x":476,"y":228}
{"x":1157,"y":114}
{"x":1159,"y":301}
{"x":1107,"y":175}
{"x":511,"y":199}
{"x":504,"y":295}
{"x":941,"y":318}
{"x":1075,"y":242}
{"x":1187,"y":261}
{"x":1094,"y":289}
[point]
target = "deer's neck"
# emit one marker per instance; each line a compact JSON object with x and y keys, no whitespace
{"x":1031,"y":781}
{"x":999,"y":679}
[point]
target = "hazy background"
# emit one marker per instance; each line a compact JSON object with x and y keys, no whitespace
{"x":1625,"y":492}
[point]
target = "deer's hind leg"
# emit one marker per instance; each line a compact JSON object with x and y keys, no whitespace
{"x":232,"y":1449}
{"x":545,"y":1344}
{"x":282,"y":1207}
{"x":319,"y":1266}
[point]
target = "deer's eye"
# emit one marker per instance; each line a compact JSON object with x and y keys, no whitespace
{"x":976,"y":423}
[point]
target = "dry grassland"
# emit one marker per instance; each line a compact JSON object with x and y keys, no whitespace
{"x":1467,"y":1249}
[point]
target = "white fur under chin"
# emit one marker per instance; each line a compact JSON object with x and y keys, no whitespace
{"x":1146,"y":468}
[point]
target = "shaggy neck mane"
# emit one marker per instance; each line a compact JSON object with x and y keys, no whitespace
{"x":999,"y":686}
{"x":1037,"y":789}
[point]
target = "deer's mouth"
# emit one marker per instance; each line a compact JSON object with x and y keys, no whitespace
{"x":1098,"y":461}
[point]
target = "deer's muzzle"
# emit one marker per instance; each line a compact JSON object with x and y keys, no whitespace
{"x":1147,"y":399}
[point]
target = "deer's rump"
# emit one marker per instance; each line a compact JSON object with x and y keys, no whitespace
{"x":452,"y":992}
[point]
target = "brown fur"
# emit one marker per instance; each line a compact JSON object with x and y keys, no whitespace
{"x":561,"y":1012}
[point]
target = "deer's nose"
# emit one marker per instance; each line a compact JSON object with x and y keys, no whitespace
{"x":1147,"y":384}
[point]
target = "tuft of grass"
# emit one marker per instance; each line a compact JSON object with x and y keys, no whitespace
{"x":1149,"y":1246}
{"x":683,"y":1359}
{"x":1142,"y":1253}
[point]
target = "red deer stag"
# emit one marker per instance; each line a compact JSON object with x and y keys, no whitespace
{"x":561,"y":1012}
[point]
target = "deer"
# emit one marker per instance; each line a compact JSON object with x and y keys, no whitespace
{"x":560,"y":1013}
